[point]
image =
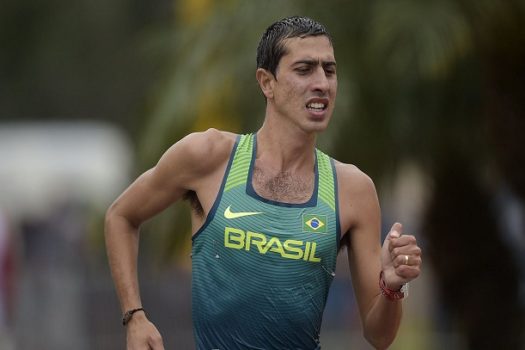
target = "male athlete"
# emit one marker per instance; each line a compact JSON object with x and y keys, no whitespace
{"x":269,"y":214}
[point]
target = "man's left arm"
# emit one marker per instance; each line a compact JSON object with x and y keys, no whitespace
{"x":360,"y":215}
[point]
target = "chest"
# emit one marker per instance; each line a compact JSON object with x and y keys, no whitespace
{"x":246,"y":230}
{"x":283,"y":186}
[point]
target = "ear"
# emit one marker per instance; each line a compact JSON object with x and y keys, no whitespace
{"x":266,"y":82}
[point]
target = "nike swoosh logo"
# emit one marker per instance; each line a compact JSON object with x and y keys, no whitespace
{"x":228,"y":214}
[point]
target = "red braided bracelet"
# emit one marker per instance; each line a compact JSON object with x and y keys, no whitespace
{"x":390,"y":294}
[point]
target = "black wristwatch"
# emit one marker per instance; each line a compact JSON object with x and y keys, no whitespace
{"x":129,"y":314}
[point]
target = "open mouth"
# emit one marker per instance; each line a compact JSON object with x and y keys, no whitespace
{"x":317,"y":105}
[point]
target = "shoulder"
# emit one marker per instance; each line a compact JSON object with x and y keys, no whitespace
{"x":197,"y":153}
{"x":351,"y":179}
{"x":358,"y":201}
{"x":206,"y":145}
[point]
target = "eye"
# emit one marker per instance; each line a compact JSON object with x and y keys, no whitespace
{"x":303,"y":70}
{"x":329,"y":71}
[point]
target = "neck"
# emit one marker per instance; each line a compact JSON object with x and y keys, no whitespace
{"x":287,"y":148}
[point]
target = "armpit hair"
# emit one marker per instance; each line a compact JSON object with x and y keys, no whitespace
{"x":193,"y":200}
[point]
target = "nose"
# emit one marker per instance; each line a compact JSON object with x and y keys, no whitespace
{"x":320,"y":81}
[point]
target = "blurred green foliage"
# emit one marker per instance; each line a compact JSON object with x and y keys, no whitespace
{"x":78,"y":59}
{"x":438,"y":82}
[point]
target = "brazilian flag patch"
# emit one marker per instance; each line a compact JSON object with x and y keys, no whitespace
{"x":314,"y":223}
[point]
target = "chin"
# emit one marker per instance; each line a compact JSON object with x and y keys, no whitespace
{"x":320,"y":122}
{"x":317,"y":127}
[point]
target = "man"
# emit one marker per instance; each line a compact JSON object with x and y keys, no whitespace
{"x":269,"y":214}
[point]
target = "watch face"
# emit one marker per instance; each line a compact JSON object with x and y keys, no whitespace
{"x":404,"y":290}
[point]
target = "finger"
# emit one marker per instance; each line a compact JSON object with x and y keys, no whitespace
{"x":156,"y":346}
{"x":156,"y":343}
{"x":408,"y":273}
{"x":410,"y":257}
{"x":407,"y":260}
{"x":405,"y":240}
{"x":394,"y":234}
{"x":395,"y":231}
{"x":410,"y":249}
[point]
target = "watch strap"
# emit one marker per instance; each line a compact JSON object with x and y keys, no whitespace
{"x":129,"y":314}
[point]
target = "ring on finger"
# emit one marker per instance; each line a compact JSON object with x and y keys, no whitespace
{"x":406,"y":259}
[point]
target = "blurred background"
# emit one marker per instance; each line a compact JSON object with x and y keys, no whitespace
{"x":431,"y":105}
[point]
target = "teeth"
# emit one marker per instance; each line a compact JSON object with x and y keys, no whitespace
{"x":316,"y":105}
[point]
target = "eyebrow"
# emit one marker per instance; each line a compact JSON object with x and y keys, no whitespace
{"x":313,"y":62}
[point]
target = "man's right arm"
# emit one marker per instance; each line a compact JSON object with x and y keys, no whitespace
{"x":178,"y":171}
{"x":123,"y":220}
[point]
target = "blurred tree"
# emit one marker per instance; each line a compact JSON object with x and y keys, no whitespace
{"x":432,"y":76}
{"x":439,"y":82}
{"x":211,"y":83}
{"x":76,"y":60}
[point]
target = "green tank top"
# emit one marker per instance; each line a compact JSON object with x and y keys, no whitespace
{"x":262,"y":269}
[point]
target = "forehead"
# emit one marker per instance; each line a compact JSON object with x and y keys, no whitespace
{"x":311,"y":47}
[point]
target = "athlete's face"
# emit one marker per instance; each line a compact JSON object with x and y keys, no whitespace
{"x":305,"y":85}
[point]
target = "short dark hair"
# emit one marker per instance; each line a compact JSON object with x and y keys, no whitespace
{"x":271,"y":47}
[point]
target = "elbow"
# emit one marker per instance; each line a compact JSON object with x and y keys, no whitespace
{"x":109,"y":218}
{"x":112,"y":219}
{"x":116,"y":220}
{"x":111,"y":213}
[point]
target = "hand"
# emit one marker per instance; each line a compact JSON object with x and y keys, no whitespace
{"x":400,"y":258}
{"x":142,"y":334}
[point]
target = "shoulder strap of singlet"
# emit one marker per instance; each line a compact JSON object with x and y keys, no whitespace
{"x":240,"y":167}
{"x":327,"y":180}
{"x":328,"y":191}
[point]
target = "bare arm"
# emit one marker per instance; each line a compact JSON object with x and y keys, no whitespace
{"x":182,"y":168}
{"x":360,"y":214}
